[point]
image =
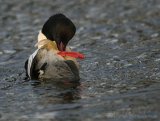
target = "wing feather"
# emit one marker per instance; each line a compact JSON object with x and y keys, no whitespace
{"x":30,"y":63}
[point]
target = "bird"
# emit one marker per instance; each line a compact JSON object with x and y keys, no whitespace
{"x":53,"y":59}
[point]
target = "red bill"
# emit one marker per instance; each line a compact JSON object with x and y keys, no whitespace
{"x":71,"y":54}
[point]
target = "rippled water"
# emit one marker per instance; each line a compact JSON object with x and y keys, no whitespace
{"x":120,"y":77}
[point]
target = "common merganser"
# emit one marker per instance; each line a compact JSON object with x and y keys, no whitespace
{"x":49,"y":60}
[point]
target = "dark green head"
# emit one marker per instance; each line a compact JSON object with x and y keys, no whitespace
{"x":60,"y":29}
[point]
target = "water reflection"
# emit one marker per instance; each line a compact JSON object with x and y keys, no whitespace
{"x":56,"y":91}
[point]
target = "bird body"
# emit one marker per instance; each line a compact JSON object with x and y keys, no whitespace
{"x":47,"y":62}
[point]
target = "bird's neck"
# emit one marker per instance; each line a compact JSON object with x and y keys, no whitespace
{"x":41,"y":36}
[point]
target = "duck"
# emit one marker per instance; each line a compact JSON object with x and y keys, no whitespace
{"x":53,"y":59}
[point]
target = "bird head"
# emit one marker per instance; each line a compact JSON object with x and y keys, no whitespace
{"x":60,"y":29}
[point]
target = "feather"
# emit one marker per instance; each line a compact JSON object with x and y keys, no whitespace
{"x":30,"y":62}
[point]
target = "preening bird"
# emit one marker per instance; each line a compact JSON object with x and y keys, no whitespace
{"x":53,"y":59}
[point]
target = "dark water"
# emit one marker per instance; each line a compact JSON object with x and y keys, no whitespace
{"x":120,"y":77}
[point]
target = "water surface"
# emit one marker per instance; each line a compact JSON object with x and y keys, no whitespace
{"x":120,"y":76}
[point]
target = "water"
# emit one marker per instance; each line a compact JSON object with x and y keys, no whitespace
{"x":119,"y":76}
